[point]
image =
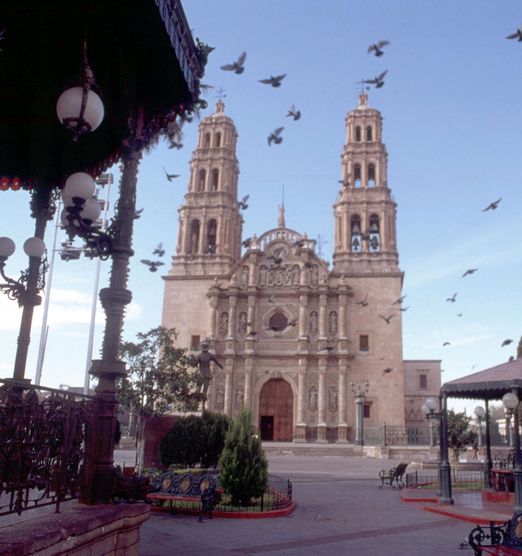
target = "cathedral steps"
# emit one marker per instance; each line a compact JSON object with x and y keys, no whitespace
{"x":311,"y":449}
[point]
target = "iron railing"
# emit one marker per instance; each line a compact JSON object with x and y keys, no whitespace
{"x":466,"y":479}
{"x":396,"y":435}
{"x":277,"y":494}
{"x":42,"y":445}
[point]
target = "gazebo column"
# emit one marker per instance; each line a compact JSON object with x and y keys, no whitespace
{"x":517,"y":470}
{"x":445,"y":469}
{"x":487,"y":478}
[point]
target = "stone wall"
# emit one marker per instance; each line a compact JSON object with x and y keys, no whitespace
{"x":106,"y":530}
{"x":149,"y":445}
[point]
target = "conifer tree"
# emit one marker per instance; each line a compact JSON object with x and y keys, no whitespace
{"x":243,"y":464}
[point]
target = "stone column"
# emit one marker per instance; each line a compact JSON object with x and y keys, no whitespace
{"x":251,"y":317}
{"x":321,"y":414}
{"x":249,"y":364}
{"x":228,"y":387}
{"x":213,"y":300}
{"x":342,"y":424}
{"x":359,"y":391}
{"x":322,"y":315}
{"x":303,"y":317}
{"x":301,"y":396}
{"x":232,"y":309}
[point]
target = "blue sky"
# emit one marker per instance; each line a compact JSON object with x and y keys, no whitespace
{"x":451,"y":108}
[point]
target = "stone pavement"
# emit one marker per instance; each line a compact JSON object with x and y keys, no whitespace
{"x":340,"y":510}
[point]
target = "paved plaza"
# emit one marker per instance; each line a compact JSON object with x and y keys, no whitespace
{"x":340,"y":510}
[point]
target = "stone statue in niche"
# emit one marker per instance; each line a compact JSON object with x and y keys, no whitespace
{"x":244,"y":277}
{"x":332,"y":323}
{"x":332,"y":398}
{"x":223,"y":324}
{"x":314,"y":322}
{"x":314,"y":275}
{"x":263,"y":276}
{"x":242,"y":323}
{"x":312,"y":398}
{"x":295,"y":275}
{"x":220,"y":398}
{"x":238,"y":400}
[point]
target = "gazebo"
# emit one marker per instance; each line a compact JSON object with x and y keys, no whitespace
{"x":140,"y":59}
{"x":502,"y":382}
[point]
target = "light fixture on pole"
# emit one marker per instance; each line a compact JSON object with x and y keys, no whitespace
{"x":80,"y":109}
{"x":34,"y":247}
{"x":81,"y":213}
{"x":479,"y":413}
{"x":429,"y":408}
{"x":511,"y":401}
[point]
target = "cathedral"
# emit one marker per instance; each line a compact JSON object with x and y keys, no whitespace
{"x":300,"y":343}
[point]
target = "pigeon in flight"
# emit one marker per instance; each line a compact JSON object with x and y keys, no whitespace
{"x":327,"y":348}
{"x":246,"y":242}
{"x":153,"y":265}
{"x":377,"y":47}
{"x":493,"y":205}
{"x":469,"y":272}
{"x":275,"y":136}
{"x":243,"y":204}
{"x":446,"y":344}
{"x":205,"y":86}
{"x":138,"y":213}
{"x":516,"y":35}
{"x":387,"y":370}
{"x":277,"y":260}
{"x":293,"y":113}
{"x":506,"y":343}
{"x":237,"y":66}
{"x":387,"y":319}
{"x":170,"y":177}
{"x":400,"y":300}
{"x":404,"y":309}
{"x":453,"y":298}
{"x":159,"y":250}
{"x":377,"y":81}
{"x":459,"y":314}
{"x":363,"y":302}
{"x":344,"y":183}
{"x":274,"y":80}
{"x":299,"y":243}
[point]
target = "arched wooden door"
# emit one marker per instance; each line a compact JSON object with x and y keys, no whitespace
{"x":276,"y":403}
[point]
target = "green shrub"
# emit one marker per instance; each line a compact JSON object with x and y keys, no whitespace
{"x":195,"y":440}
{"x":243,"y":464}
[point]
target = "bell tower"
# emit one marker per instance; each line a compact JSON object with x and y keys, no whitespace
{"x":210,"y":224}
{"x":365,"y":212}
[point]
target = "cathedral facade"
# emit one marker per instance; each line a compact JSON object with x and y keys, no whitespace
{"x":297,"y":340}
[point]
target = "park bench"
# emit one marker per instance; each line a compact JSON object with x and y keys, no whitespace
{"x":393,"y":476}
{"x":501,"y":539}
{"x":187,"y":490}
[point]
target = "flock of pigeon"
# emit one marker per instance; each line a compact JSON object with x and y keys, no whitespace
{"x":275,"y":81}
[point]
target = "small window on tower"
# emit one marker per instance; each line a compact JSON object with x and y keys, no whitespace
{"x":194,"y":342}
{"x":211,"y":236}
{"x":364,"y":342}
{"x":358,"y":134}
{"x":202,"y":178}
{"x":357,"y":175}
{"x":366,"y":410}
{"x":215,"y":179}
{"x":218,"y":139}
{"x":423,"y":382}
{"x":369,"y":134}
{"x":356,"y":236}
{"x":374,"y":240}
{"x":207,"y":140}
{"x":371,"y":174}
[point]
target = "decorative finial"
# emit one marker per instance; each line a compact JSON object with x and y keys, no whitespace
{"x":363,"y":98}
{"x":281,"y":217}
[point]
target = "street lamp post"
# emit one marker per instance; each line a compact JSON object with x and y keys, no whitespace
{"x":479,"y":412}
{"x":359,"y":391}
{"x":26,"y":291}
{"x":429,"y":409}
{"x":511,"y":401}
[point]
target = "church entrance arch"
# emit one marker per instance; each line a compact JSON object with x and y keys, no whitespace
{"x":276,"y":402}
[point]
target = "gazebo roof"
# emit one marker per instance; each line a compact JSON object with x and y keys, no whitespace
{"x":490,"y":384}
{"x":143,"y":58}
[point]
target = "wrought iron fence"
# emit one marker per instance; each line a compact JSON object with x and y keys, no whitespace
{"x":42,"y":445}
{"x":460,"y":479}
{"x":277,"y":494}
{"x":396,"y":435}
